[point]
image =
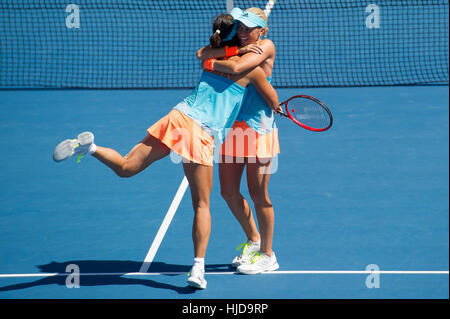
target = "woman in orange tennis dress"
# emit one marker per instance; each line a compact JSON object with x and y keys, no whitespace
{"x":189,"y":130}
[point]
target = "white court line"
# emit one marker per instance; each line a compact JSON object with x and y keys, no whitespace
{"x":267,"y":9}
{"x":279,"y":272}
{"x":230,"y":5}
{"x":269,"y":6}
{"x":164,"y":226}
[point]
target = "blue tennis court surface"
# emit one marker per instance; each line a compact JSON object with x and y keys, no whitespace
{"x":374,"y":189}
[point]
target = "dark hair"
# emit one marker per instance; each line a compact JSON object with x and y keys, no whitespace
{"x":222,"y":27}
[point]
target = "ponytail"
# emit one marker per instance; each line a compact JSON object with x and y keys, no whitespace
{"x":222,"y":27}
{"x":215,"y":39}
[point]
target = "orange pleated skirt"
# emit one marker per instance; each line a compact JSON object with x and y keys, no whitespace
{"x":185,"y":137}
{"x":243,"y":141}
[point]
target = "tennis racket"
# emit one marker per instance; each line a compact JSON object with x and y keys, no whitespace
{"x":308,"y":112}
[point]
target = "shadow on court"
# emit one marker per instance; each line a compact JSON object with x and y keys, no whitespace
{"x":104,"y":267}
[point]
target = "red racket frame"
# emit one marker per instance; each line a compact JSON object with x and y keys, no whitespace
{"x":289,"y":115}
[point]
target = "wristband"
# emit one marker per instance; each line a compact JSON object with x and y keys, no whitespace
{"x":231,"y":51}
{"x":209,"y":64}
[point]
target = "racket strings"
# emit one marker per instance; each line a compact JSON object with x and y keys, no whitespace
{"x":309,"y":113}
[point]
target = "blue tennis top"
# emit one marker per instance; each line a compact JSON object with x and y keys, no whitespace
{"x":214,"y":104}
{"x":255,"y":111}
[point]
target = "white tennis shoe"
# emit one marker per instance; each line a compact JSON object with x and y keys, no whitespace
{"x":79,"y":146}
{"x":259,"y":262}
{"x":248,"y":249}
{"x":196,"y":278}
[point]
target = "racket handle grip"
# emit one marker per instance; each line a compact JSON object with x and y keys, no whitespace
{"x":282,"y":113}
